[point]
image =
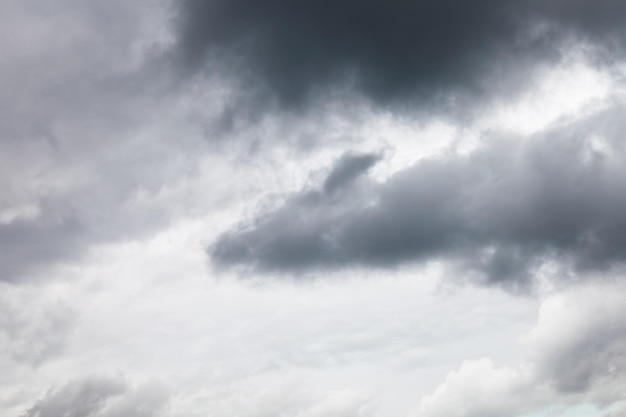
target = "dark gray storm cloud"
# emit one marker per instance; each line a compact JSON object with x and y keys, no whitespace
{"x":387,"y":49}
{"x":348,"y":168}
{"x":498,"y":213}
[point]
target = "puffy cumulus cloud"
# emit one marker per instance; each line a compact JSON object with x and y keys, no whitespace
{"x":574,"y":356}
{"x":501,"y":213}
{"x":388,"y":49}
{"x":580,"y":340}
{"x":98,"y":396}
{"x":480,"y":389}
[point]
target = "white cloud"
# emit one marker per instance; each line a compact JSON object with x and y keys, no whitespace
{"x":574,"y":356}
{"x":479,"y":388}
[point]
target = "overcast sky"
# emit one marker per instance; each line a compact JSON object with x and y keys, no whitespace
{"x":298,"y":208}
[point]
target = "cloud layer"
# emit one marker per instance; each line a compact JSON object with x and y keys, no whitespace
{"x":134,"y":135}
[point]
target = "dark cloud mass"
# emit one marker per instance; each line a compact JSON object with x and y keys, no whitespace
{"x":348,"y":168}
{"x":388,"y":49}
{"x":501,"y":211}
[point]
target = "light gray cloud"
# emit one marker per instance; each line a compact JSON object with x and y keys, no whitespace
{"x":78,"y":399}
{"x":502,"y":211}
{"x":98,"y":396}
{"x":33,"y":328}
{"x":580,"y":339}
{"x":619,"y":413}
{"x":575,"y":356}
{"x":87,"y":123}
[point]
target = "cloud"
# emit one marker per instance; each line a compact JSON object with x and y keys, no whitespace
{"x":24,"y":243}
{"x":389,"y":50}
{"x":619,"y":413}
{"x":102,"y":148}
{"x":574,"y":357}
{"x":85,"y":128}
{"x":500,"y":213}
{"x":98,"y":396}
{"x":580,"y":338}
{"x":82,"y":398}
{"x":480,"y":389}
{"x":33,"y":328}
{"x":347,"y":169}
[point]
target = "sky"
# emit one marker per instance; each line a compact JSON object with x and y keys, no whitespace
{"x":312,"y":208}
